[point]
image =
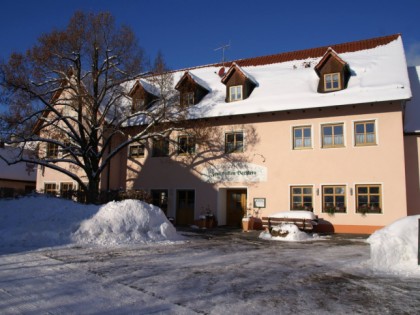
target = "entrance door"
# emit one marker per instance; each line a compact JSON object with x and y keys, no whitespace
{"x":185,"y":200}
{"x":235,"y":207}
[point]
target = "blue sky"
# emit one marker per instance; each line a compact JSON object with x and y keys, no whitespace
{"x":188,"y":31}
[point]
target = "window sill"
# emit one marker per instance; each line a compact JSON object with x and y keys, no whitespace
{"x":333,"y":147}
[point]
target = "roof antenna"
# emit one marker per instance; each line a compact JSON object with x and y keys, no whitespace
{"x":222,"y":48}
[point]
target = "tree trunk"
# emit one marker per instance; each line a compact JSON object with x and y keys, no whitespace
{"x":92,"y":196}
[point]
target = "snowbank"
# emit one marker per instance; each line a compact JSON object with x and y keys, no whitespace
{"x":126,"y":222}
{"x":394,"y":248}
{"x":297,"y":214}
{"x":288,"y":232}
{"x":42,"y":221}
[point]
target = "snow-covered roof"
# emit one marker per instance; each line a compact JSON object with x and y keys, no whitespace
{"x":150,"y":88}
{"x":235,"y":66}
{"x":412,"y":110}
{"x":200,"y":82}
{"x":19,"y":171}
{"x":285,"y":82}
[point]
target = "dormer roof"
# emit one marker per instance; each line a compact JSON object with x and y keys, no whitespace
{"x":149,"y":88}
{"x":330,"y":53}
{"x":188,"y":75}
{"x":235,"y":67}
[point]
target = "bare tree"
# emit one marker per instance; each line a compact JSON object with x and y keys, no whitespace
{"x":68,"y":95}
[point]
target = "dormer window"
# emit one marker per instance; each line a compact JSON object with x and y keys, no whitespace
{"x":239,"y":84}
{"x":332,"y":81}
{"x":235,"y":93}
{"x":191,"y":89}
{"x":187,"y":98}
{"x":138,"y":104}
{"x":143,"y":94}
{"x":333,"y":72}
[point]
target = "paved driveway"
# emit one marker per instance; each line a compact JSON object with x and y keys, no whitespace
{"x":213,"y":272}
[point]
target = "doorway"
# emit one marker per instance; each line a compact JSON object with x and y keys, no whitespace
{"x":185,"y":201}
{"x":235,"y":207}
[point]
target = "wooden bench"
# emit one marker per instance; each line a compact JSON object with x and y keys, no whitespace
{"x":306,"y":225}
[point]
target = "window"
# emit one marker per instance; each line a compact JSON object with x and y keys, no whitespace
{"x":334,"y":199}
{"x":368,"y":198}
{"x":66,"y":190}
{"x":332,"y":81}
{"x":187,"y":99}
{"x":333,"y":136}
{"x":234,"y":142}
{"x":365,"y":133}
{"x":301,"y":198}
{"x":302,"y":137}
{"x":235,"y":93}
{"x":52,"y":150}
{"x":138,"y":104}
{"x":160,"y":199}
{"x":160,"y":147}
{"x":136,"y":150}
{"x":50,"y":188}
{"x":69,"y":148}
{"x":186,"y":145}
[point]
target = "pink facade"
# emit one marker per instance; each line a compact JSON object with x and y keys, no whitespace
{"x":282,"y":136}
{"x":269,"y":145}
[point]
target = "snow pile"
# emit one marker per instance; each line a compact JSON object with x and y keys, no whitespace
{"x":296,"y":214}
{"x":42,"y":221}
{"x":394,"y":248}
{"x":288,"y":232}
{"x":126,"y":222}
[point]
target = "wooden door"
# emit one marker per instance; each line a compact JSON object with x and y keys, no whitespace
{"x":235,"y":207}
{"x":185,"y":201}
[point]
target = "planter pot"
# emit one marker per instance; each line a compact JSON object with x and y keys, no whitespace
{"x":247,"y":224}
{"x":210,"y":222}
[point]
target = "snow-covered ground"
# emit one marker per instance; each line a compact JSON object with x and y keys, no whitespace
{"x":41,"y":221}
{"x":152,"y":271}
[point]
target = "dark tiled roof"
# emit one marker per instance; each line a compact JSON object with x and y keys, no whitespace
{"x":309,"y":53}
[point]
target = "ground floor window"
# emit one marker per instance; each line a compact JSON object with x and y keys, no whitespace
{"x":334,"y":199}
{"x":160,"y":199}
{"x":301,"y":198}
{"x":66,"y":190}
{"x":136,"y":150}
{"x":50,"y":188}
{"x":368,"y":198}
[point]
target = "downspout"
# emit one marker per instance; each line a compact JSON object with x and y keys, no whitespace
{"x":108,"y":172}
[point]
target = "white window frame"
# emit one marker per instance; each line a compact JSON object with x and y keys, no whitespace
{"x":233,"y":92}
{"x":330,"y":75}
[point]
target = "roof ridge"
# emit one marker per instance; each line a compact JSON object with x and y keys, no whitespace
{"x":314,"y":52}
